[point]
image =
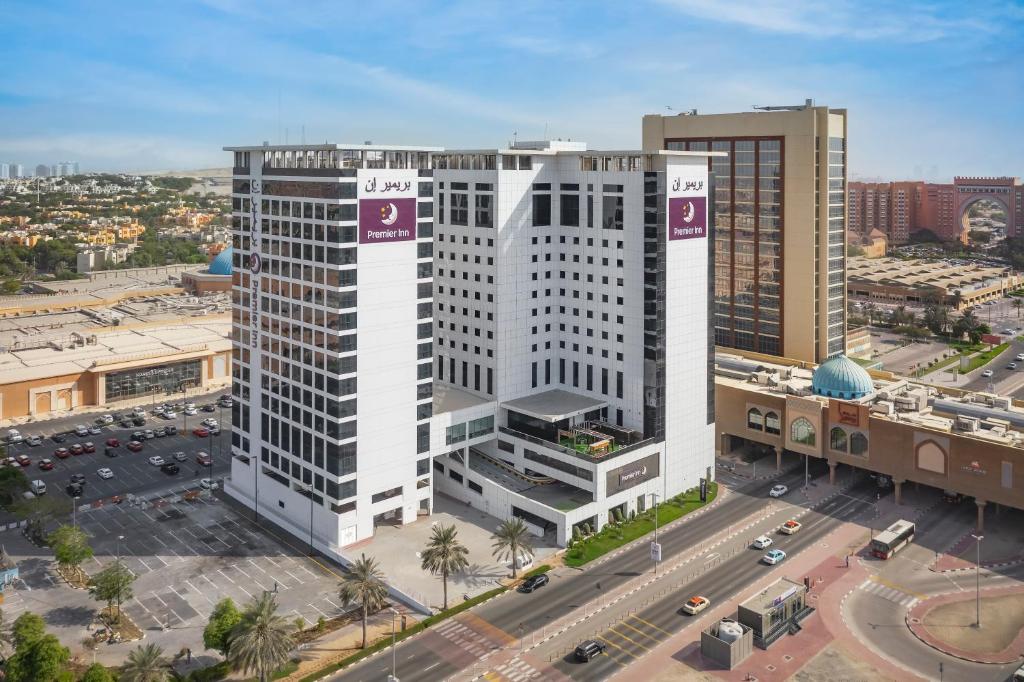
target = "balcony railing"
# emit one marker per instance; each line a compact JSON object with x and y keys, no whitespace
{"x":570,"y":451}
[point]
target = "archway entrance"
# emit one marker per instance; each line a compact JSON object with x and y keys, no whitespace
{"x":999,"y":197}
{"x":984,"y":221}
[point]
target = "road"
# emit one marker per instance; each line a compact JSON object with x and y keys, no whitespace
{"x":431,"y":657}
{"x":132,"y":473}
{"x":641,"y":632}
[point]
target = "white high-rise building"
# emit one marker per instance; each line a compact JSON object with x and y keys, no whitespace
{"x":525,"y":329}
{"x":17,"y":170}
{"x":332,"y":337}
{"x":571,"y":292}
{"x":5,"y":171}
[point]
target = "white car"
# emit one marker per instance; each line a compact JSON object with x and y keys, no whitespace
{"x":778,"y":490}
{"x":13,"y":436}
{"x":208,"y":484}
{"x":95,"y":430}
{"x":190,"y":405}
{"x":987,"y":373}
{"x":105,"y":473}
{"x":138,"y":412}
{"x":180,"y":456}
{"x":1020,"y":357}
{"x":774,"y":556}
{"x":81,"y":430}
{"x":191,"y":411}
{"x":209,"y":422}
{"x":170,"y":414}
{"x":156,"y":460}
{"x":107,"y":419}
{"x":790,"y":527}
{"x":762,"y":542}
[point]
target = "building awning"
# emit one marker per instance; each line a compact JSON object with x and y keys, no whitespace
{"x":554,"y":405}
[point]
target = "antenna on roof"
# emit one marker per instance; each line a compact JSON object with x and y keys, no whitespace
{"x":808,"y":103}
{"x":686,"y":112}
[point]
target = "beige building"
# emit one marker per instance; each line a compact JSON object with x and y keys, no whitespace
{"x":971,"y":444}
{"x":957,"y":284}
{"x":780,"y":224}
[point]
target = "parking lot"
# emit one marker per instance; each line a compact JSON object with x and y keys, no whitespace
{"x":132,"y":471}
{"x":187,"y":554}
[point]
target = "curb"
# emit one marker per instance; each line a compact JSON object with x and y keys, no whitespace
{"x":962,"y":657}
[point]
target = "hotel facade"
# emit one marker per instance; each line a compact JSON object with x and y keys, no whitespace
{"x":522,"y":329}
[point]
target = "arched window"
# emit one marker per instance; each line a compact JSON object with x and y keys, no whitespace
{"x":837,"y":439}
{"x":772,"y":424}
{"x":858,"y":443}
{"x":802,"y":431}
{"x":754,"y":419}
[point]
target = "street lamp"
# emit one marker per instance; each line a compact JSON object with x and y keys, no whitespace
{"x":654,"y":496}
{"x":119,"y":539}
{"x":977,"y":580}
{"x":393,"y":677}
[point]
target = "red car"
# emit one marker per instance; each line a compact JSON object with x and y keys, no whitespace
{"x":61,"y":453}
{"x":113,"y":443}
{"x":204,"y":459}
{"x":89,"y":447}
{"x":77,"y":449}
{"x":23,"y":460}
{"x":134,"y":445}
{"x":45,"y":464}
{"x":202,"y":432}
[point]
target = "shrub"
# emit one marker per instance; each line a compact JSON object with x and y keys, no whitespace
{"x":577,"y":534}
{"x":617,"y":515}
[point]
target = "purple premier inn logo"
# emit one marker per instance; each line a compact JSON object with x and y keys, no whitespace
{"x":386,"y":220}
{"x":687,"y":217}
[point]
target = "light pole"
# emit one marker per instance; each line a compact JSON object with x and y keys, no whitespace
{"x":393,"y":677}
{"x":977,"y":580}
{"x":655,"y":497}
{"x":119,"y":539}
{"x":807,"y":469}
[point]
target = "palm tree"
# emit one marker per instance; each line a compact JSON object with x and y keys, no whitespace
{"x":363,"y":584}
{"x":1018,"y":304}
{"x":262,"y":640}
{"x":512,"y":539}
{"x":145,"y":664}
{"x":445,"y":555}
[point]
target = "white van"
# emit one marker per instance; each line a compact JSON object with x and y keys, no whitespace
{"x":38,"y":487}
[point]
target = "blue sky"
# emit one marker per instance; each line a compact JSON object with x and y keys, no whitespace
{"x":933,"y":89}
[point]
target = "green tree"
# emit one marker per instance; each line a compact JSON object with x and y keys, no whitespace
{"x":97,"y":673}
{"x":970,"y":325}
{"x":13,"y":483}
{"x":1017,"y":304}
{"x":112,"y":585}
{"x":42,"y":660}
{"x":224,"y":618}
{"x":262,"y":640}
{"x":39,"y":511}
{"x":936,"y":319}
{"x":27,"y":628}
{"x":363,"y":584}
{"x":145,"y":664}
{"x":70,"y":547}
{"x":512,"y":539}
{"x":445,"y":555}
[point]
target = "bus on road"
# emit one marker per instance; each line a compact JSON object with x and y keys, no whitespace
{"x":892,"y":539}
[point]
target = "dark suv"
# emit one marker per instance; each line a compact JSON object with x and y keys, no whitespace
{"x":170,"y":468}
{"x":533,"y":582}
{"x":588,"y":649}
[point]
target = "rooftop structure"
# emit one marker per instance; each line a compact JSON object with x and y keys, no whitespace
{"x":954,"y":282}
{"x":841,"y":377}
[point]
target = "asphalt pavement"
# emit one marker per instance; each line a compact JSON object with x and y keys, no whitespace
{"x":132,"y":472}
{"x":431,"y":657}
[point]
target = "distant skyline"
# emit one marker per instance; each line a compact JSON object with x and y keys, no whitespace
{"x":933,"y":89}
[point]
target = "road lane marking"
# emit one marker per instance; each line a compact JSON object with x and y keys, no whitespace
{"x":226,"y":576}
{"x":628,"y":639}
{"x":647,"y":622}
{"x":641,"y":632}
{"x":610,"y":643}
{"x":879,"y":579}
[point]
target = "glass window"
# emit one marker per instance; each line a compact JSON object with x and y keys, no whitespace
{"x":772,"y":424}
{"x":570,"y":209}
{"x":802,"y":431}
{"x":858,"y":443}
{"x":460,"y":209}
{"x":455,"y":434}
{"x":837,"y":439}
{"x":755,"y":420}
{"x":153,"y":381}
{"x":541,"y":209}
{"x":484,"y":214}
{"x":611,"y":217}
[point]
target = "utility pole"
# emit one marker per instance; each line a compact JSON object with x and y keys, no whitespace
{"x":977,"y":580}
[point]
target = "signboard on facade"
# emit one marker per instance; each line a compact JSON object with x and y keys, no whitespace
{"x":687,"y":208}
{"x":991,"y":339}
{"x":628,"y":475}
{"x":847,"y":414}
{"x":255,"y":261}
{"x":387,"y":207}
{"x":655,"y":551}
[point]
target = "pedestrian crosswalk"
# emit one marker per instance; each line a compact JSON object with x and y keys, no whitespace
{"x":516,"y":670}
{"x":464,"y":637}
{"x":889,"y":593}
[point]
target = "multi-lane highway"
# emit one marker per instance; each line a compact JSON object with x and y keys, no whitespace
{"x":431,"y":657}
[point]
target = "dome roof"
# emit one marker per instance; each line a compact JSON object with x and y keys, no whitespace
{"x":841,"y":377}
{"x":221,"y":265}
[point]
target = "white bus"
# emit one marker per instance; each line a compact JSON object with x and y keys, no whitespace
{"x":892,"y":539}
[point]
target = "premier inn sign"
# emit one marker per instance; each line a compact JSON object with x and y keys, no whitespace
{"x":628,"y":475}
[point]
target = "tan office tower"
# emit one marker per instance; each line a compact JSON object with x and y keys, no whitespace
{"x":780,"y":235}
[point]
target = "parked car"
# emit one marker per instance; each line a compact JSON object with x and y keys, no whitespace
{"x":214,"y":430}
{"x":201,"y":432}
{"x":61,"y":453}
{"x":77,"y":449}
{"x":45,"y":464}
{"x":113,"y":443}
{"x":190,"y":411}
{"x":156,"y":460}
{"x":204,"y":458}
{"x":59,"y":437}
{"x":74,"y":490}
{"x":530,"y":584}
{"x":105,"y":473}
{"x":762,"y":542}
{"x":778,"y":490}
{"x":208,"y":484}
{"x":38,"y":487}
{"x":95,"y":431}
{"x":138,"y":412}
{"x":189,"y":405}
{"x":160,"y":432}
{"x":695,"y":605}
{"x":170,"y":414}
{"x":171,"y":429}
{"x":134,"y":445}
{"x":149,"y":434}
{"x":180,"y":456}
{"x":209,"y":407}
{"x":209,"y":421}
{"x":104,"y":420}
{"x":588,"y":649}
{"x":34,"y":440}
{"x":126,"y":424}
{"x":170,"y":468}
{"x":78,"y":478}
{"x":23,"y":460}
{"x":790,"y":527}
{"x":14,"y":436}
{"x":139,"y":421}
{"x":81,"y":430}
{"x":774,"y":556}
{"x":89,"y":448}
{"x":110,"y":452}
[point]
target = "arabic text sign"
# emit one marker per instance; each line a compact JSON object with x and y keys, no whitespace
{"x":386,"y":220}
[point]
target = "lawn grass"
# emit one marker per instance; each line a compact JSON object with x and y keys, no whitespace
{"x":613,"y":537}
{"x":983,"y":358}
{"x":942,"y":364}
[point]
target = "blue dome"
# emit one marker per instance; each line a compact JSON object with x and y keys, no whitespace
{"x":841,"y":377}
{"x":221,"y":265}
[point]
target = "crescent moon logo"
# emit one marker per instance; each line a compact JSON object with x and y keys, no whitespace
{"x":255,"y":263}
{"x":389,"y":214}
{"x":688,"y":212}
